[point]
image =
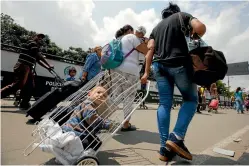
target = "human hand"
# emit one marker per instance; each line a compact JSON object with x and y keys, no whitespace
{"x":83,"y":78}
{"x":51,"y":67}
{"x":144,"y":78}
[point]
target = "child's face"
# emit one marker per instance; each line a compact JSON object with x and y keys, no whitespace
{"x":72,"y":73}
{"x":98,"y":95}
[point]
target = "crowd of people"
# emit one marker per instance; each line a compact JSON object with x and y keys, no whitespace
{"x":166,"y":51}
{"x":206,"y":95}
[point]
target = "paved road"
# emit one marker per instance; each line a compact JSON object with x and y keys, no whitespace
{"x":206,"y":131}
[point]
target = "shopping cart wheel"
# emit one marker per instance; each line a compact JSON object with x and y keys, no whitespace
{"x":87,"y":160}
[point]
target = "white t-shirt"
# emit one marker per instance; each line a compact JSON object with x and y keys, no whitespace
{"x":207,"y":94}
{"x":131,"y":63}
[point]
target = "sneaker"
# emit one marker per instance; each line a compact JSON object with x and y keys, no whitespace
{"x":165,"y":155}
{"x":178,"y":147}
{"x":16,"y":103}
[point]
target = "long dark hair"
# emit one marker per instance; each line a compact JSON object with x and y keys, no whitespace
{"x":238,"y":89}
{"x":123,"y":30}
{"x":171,"y":9}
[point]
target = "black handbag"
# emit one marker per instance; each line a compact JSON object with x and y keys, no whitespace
{"x":209,"y":65}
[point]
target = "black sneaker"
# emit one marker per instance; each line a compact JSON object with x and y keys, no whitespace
{"x":178,"y":147}
{"x":165,"y":155}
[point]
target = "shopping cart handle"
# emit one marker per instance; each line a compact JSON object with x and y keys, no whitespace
{"x":56,"y":75}
{"x":147,"y":89}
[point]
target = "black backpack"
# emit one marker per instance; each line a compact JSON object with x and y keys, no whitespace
{"x":209,"y":65}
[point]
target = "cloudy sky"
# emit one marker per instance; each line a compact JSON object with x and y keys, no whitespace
{"x":88,"y":23}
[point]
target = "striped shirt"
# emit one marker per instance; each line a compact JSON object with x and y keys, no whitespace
{"x":88,"y":113}
{"x":29,"y":56}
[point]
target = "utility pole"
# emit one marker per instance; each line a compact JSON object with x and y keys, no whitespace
{"x":228,"y":82}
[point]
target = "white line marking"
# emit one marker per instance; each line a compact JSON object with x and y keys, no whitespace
{"x":208,"y":153}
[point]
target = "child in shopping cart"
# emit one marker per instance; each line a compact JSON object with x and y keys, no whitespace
{"x":87,"y":119}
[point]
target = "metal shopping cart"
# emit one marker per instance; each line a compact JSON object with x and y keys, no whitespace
{"x":72,"y":149}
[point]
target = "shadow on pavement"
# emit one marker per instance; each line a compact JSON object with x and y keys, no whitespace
{"x":211,"y":160}
{"x":107,"y":157}
{"x":125,"y":156}
{"x":244,"y":159}
{"x":8,"y":106}
{"x":221,"y":112}
{"x":203,"y":114}
{"x":14,"y":111}
{"x":50,"y":162}
{"x":138,"y":137}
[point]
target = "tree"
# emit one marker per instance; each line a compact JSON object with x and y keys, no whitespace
{"x":223,"y":89}
{"x":16,"y":35}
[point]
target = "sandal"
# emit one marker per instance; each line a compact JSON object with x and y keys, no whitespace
{"x":130,"y":128}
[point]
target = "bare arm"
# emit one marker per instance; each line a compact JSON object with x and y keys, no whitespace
{"x":198,"y":27}
{"x":149,"y":55}
{"x":43,"y":64}
{"x":142,"y":48}
{"x":42,"y":61}
{"x":148,"y":61}
{"x":84,"y":75}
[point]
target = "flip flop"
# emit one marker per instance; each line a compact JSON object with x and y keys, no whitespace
{"x":130,"y":128}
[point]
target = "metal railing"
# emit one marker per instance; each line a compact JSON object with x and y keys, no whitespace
{"x":15,"y":49}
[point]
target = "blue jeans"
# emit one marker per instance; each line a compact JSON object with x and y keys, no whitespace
{"x":239,"y":105}
{"x":166,"y":78}
{"x":69,"y":129}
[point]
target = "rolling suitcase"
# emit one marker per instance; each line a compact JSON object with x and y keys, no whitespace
{"x":49,"y":100}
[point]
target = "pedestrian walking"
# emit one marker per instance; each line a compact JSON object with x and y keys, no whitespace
{"x":92,"y":65}
{"x":239,"y":100}
{"x":172,"y":65}
{"x":24,"y":71}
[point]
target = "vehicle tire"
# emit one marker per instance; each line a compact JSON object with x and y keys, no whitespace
{"x":87,"y":160}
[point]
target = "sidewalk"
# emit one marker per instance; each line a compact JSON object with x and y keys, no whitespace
{"x":139,"y":147}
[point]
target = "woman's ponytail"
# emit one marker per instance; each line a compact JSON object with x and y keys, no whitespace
{"x":119,"y":33}
{"x":123,"y":30}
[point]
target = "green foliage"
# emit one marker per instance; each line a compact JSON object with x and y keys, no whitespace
{"x":16,"y":35}
{"x":223,"y":89}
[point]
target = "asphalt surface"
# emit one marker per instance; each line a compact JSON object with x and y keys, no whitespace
{"x":206,"y":131}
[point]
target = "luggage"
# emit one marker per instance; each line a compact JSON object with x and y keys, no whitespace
{"x":209,"y":65}
{"x":49,"y":100}
{"x":214,"y":104}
